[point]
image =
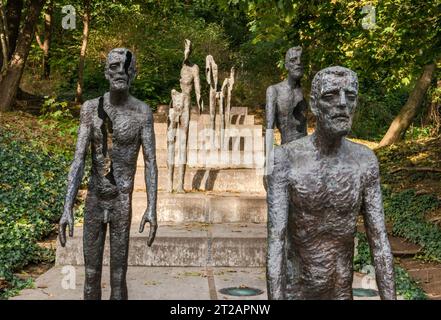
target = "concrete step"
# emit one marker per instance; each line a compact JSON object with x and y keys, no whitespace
{"x":203,"y":207}
{"x":192,"y":244}
{"x":225,"y":159}
{"x":200,"y":134}
{"x":218,"y":180}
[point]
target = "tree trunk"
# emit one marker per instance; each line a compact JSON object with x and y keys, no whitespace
{"x":46,"y":44}
{"x":13,"y":13}
{"x":403,"y":120}
{"x":86,"y":22}
{"x":3,"y":38}
{"x":14,"y":71}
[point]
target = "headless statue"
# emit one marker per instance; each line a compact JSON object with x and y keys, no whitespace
{"x":189,"y":75}
{"x":173,"y":123}
{"x":316,"y":190}
{"x":211,"y":73}
{"x":115,"y":126}
{"x":225,"y":108}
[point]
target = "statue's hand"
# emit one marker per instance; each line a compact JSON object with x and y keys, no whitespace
{"x":149,"y":216}
{"x":66,"y":220}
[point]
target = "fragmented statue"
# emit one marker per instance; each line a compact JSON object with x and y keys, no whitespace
{"x":173,"y":124}
{"x":318,"y":186}
{"x":115,"y":126}
{"x":189,"y":75}
{"x":285,"y":107}
{"x":226,"y":90}
{"x":212,"y":78}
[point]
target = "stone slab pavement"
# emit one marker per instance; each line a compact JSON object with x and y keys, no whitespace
{"x":155,"y":283}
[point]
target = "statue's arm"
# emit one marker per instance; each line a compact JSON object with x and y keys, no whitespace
{"x":270,"y":115}
{"x":375,"y":226}
{"x":151,"y":174}
{"x":197,"y":89}
{"x":76,"y":170}
{"x":277,"y":201}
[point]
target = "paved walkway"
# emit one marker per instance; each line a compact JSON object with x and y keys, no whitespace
{"x":155,"y":283}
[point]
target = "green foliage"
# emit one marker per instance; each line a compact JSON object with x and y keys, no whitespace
{"x":406,"y":211}
{"x":405,"y":285}
{"x":57,"y":116}
{"x":363,"y":256}
{"x":375,"y":111}
{"x":32,"y":188}
{"x":14,"y":287}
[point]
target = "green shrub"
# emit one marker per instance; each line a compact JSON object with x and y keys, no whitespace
{"x":406,"y":211}
{"x":32,"y":189}
{"x":404,"y":284}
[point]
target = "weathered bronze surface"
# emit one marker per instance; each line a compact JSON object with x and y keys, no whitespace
{"x":318,"y":186}
{"x":115,"y":126}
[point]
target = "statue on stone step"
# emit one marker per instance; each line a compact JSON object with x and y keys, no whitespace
{"x":318,"y":186}
{"x":211,"y":73}
{"x":286,"y":106}
{"x":114,"y":126}
{"x":225,"y":108}
{"x":189,"y":75}
{"x":174,"y":123}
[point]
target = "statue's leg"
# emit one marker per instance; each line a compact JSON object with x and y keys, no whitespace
{"x":183,"y":140}
{"x":94,"y":235}
{"x":119,"y":245}
{"x":222,"y":118}
{"x":171,"y":136}
{"x":212,"y":118}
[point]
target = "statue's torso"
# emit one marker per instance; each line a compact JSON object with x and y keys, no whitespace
{"x":187,"y":78}
{"x":325,"y":196}
{"x":123,"y":145}
{"x":325,"y":192}
{"x":290,"y":117}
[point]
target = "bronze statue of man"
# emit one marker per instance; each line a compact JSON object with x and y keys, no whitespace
{"x":316,"y":190}
{"x":115,"y":126}
{"x":285,"y":108}
{"x":285,"y":105}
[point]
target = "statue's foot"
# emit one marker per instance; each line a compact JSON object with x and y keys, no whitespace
{"x":170,"y":190}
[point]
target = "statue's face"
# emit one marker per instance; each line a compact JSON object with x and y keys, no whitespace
{"x":118,"y":70}
{"x":336,"y":103}
{"x":293,"y":64}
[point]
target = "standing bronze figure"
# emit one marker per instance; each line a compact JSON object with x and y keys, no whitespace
{"x":285,"y":108}
{"x":285,"y":105}
{"x":115,"y":126}
{"x":316,"y":190}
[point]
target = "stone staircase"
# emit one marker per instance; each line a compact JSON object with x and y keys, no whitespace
{"x":219,"y":222}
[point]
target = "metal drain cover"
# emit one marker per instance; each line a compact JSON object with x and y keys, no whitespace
{"x":360,"y":292}
{"x":241,"y":291}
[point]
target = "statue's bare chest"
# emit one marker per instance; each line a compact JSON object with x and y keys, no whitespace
{"x":287,"y":100}
{"x":326,"y":185}
{"x":121,"y":127}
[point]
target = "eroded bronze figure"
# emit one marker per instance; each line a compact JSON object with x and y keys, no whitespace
{"x":115,"y":126}
{"x":318,"y":186}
